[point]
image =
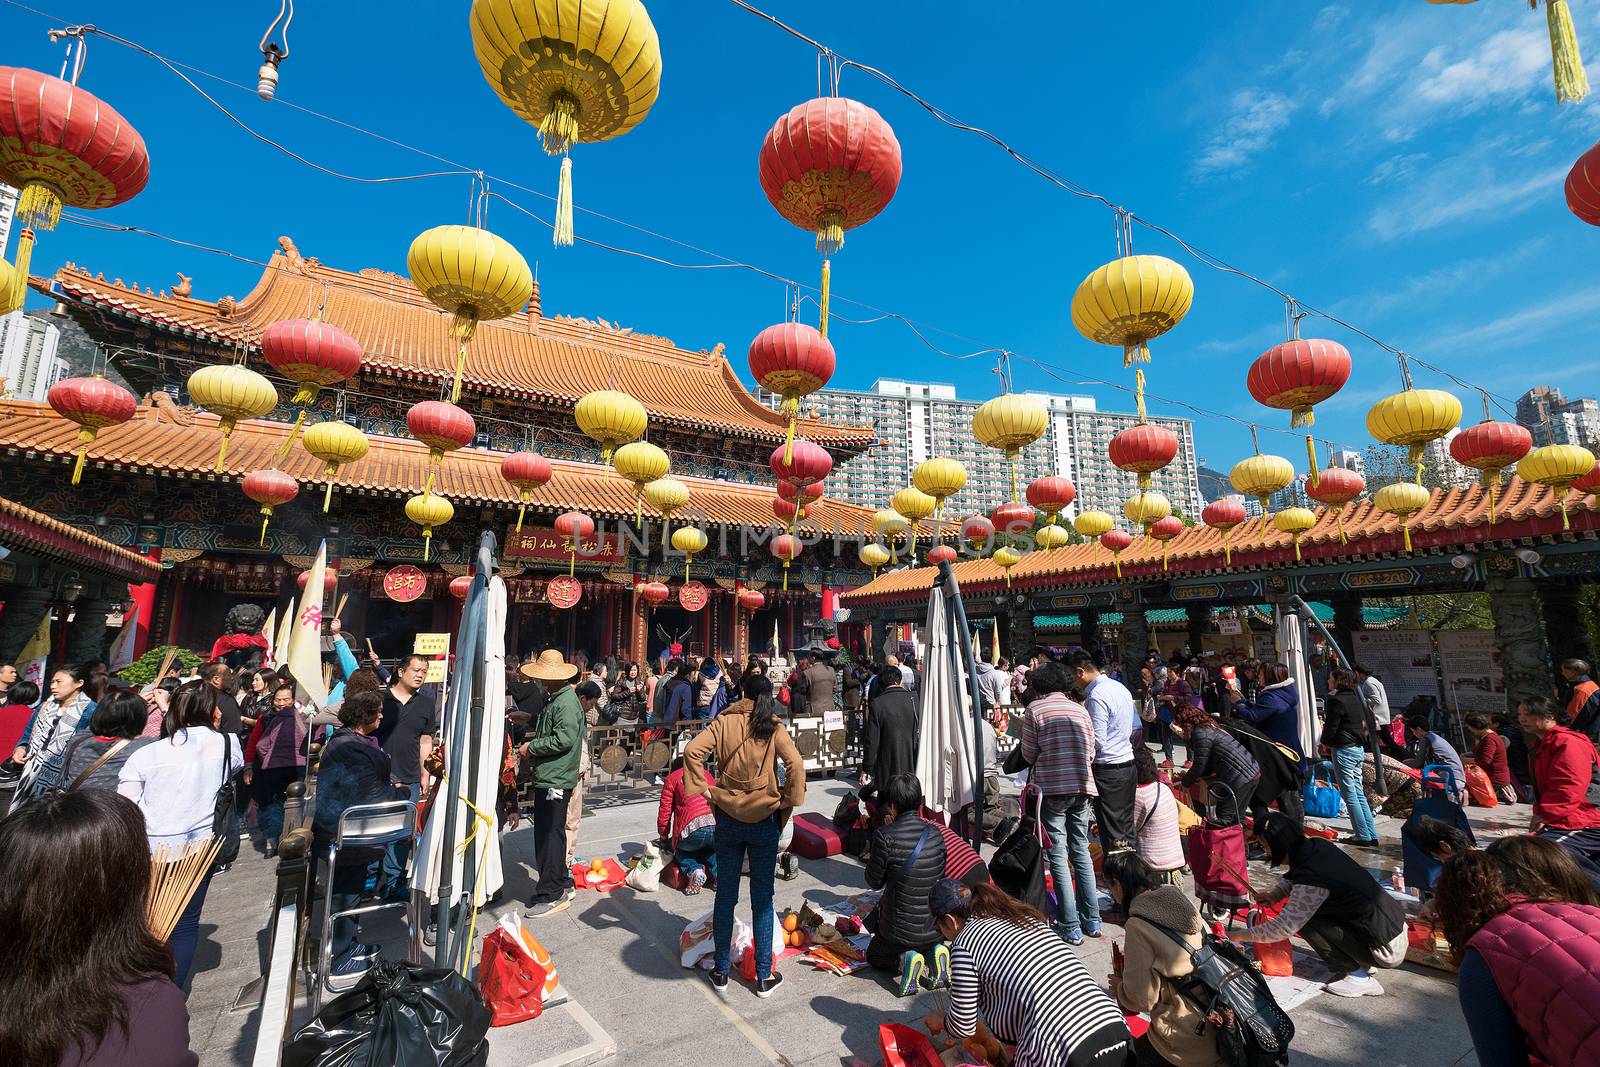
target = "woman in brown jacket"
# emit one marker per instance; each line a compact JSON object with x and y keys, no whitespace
{"x":751,"y":805}
{"x":1178,"y":1034}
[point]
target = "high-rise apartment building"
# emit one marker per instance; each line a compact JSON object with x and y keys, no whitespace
{"x":915,"y":421}
{"x":29,"y":365}
{"x":8,"y":213}
{"x":1555,"y":420}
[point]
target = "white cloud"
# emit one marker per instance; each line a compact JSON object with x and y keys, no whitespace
{"x":1493,"y":180}
{"x":1545,"y":319}
{"x":1329,"y":18}
{"x":1258,"y":115}
{"x":1423,"y":289}
{"x":1396,"y":168}
{"x":1510,"y":63}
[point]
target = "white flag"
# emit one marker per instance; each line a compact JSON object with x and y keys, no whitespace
{"x":304,"y":655}
{"x":270,"y":632}
{"x":121,"y":653}
{"x":31,"y":660}
{"x":280,"y":642}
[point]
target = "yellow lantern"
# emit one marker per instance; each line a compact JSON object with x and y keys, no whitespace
{"x":941,"y":479}
{"x":1557,"y":466}
{"x":1131,"y":300}
{"x":1260,"y":476}
{"x":873,"y":555}
{"x":1006,"y":557}
{"x":1295,"y":521}
{"x":428,"y":512}
{"x":1413,"y":417}
{"x":666,"y":495}
{"x":889,"y":524}
{"x":1010,"y":422}
{"x":640,"y":463}
{"x":1051,"y":536}
{"x":1092,"y":524}
{"x":1146,"y":509}
{"x":689,"y":540}
{"x":231,"y":392}
{"x":576,"y":71}
{"x":334,"y":443}
{"x":472,"y":274}
{"x":1402,"y":500}
{"x":611,"y":419}
{"x":915,"y":505}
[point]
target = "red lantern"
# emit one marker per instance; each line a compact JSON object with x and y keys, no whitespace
{"x":828,"y":166}
{"x":443,"y":428}
{"x":1294,"y":376}
{"x":787,"y":549}
{"x":460,"y":586}
{"x":1337,"y":487}
{"x":330,"y":581}
{"x":1012,"y":518}
{"x":1583,"y":187}
{"x":1224,"y":515}
{"x":787,"y":512}
{"x":527,"y":471}
{"x":1164,"y":530}
{"x":60,"y":145}
{"x":803,"y":463}
{"x":269,"y":488}
{"x":752,"y":599}
{"x":1589,"y":483}
{"x":93,"y":403}
{"x":941,"y":554}
{"x":1142,"y":449}
{"x":801,"y":494}
{"x":1490,"y":447}
{"x":575,"y":526}
{"x":977,"y":530}
{"x":792,"y":360}
{"x":653,"y":593}
{"x":1051,"y":495}
{"x":1116,"y":541}
{"x":310,"y":353}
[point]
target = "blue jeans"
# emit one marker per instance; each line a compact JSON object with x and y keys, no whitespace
{"x":697,"y":850}
{"x":1067,"y":819}
{"x":397,"y":857}
{"x":185,"y":936}
{"x":1348,"y":760}
{"x":735,"y":839}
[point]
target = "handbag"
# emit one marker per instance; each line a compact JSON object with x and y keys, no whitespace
{"x":1018,"y":865}
{"x":1322,"y":799}
{"x":225,"y":809}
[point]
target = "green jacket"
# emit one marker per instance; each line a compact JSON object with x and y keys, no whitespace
{"x":557,"y":743}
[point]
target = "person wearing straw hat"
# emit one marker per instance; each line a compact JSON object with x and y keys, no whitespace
{"x":553,"y":750}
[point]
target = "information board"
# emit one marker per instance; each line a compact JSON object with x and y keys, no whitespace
{"x":1401,"y":659}
{"x":1473,"y":677}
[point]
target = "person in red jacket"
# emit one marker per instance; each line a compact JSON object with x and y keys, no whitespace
{"x":1489,"y":753}
{"x":1566,"y":780}
{"x":686,"y":827}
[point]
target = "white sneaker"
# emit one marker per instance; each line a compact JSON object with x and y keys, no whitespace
{"x":1351,"y":986}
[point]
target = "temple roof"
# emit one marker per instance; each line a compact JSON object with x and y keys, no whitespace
{"x":555,"y":360}
{"x":165,"y":438}
{"x":1454,"y":519}
{"x":38,"y":534}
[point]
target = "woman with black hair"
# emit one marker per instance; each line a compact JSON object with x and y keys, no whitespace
{"x":1334,"y":904}
{"x":84,"y":985}
{"x":1159,"y":911}
{"x":1155,"y":819}
{"x":95,"y":758}
{"x":751,"y":807}
{"x":1008,"y":965}
{"x":44,"y":745}
{"x":908,"y":856}
{"x":1218,"y":758}
{"x":175,"y":782}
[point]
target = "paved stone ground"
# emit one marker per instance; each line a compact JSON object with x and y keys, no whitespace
{"x":618,"y":955}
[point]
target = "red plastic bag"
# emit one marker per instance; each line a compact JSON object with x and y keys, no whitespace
{"x":905,"y":1047}
{"x":511,"y":980}
{"x":613,"y":876}
{"x":1479,"y":788}
{"x":1275,"y":957}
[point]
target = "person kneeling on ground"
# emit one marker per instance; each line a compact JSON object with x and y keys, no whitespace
{"x":1335,"y":904}
{"x":1489,"y":753}
{"x":686,"y":827}
{"x":1526,"y":936}
{"x":1157,"y":911}
{"x":960,"y":861}
{"x":908,"y":856}
{"x":1032,"y":989}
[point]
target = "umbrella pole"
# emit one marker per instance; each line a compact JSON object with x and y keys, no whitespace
{"x":963,"y":656}
{"x":1379,"y":786}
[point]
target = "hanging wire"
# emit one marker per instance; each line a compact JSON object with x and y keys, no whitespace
{"x":285,"y":16}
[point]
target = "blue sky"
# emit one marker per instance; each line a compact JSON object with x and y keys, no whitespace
{"x":1399,"y":164}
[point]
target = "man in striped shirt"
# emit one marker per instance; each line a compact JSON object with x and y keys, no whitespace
{"x":1058,"y":743}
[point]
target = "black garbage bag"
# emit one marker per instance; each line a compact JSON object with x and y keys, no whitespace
{"x":398,"y":1015}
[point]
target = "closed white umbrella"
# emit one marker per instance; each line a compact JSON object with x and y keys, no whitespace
{"x":1291,"y":646}
{"x":946,"y":763}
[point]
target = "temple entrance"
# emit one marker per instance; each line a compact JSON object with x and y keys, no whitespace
{"x":579,"y":629}
{"x":671,"y":624}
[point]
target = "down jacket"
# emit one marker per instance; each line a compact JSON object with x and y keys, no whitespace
{"x":1545,"y":958}
{"x":904,"y":914}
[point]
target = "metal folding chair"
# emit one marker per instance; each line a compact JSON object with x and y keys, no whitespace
{"x":363,"y":826}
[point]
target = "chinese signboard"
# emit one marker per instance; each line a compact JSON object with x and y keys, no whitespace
{"x":431,"y":645}
{"x":692,"y":595}
{"x":1473,"y":679}
{"x":541,"y":542}
{"x":1401,"y":659}
{"x":404,"y":583}
{"x":563,"y":592}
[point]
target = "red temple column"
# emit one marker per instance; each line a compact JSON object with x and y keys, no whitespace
{"x":144,"y":598}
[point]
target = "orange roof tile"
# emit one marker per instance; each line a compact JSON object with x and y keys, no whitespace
{"x":39,"y":534}
{"x":556,"y":360}
{"x":1454,"y":519}
{"x":166,"y":438}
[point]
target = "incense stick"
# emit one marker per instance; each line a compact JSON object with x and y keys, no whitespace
{"x":173,"y":881}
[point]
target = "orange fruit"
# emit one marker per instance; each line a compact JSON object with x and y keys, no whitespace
{"x":800,"y":939}
{"x":791,"y":922}
{"x":597,"y":865}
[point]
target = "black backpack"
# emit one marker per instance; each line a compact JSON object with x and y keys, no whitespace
{"x":1252,"y":1031}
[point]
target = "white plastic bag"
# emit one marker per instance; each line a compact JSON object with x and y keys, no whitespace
{"x":697,"y":944}
{"x":646,"y":873}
